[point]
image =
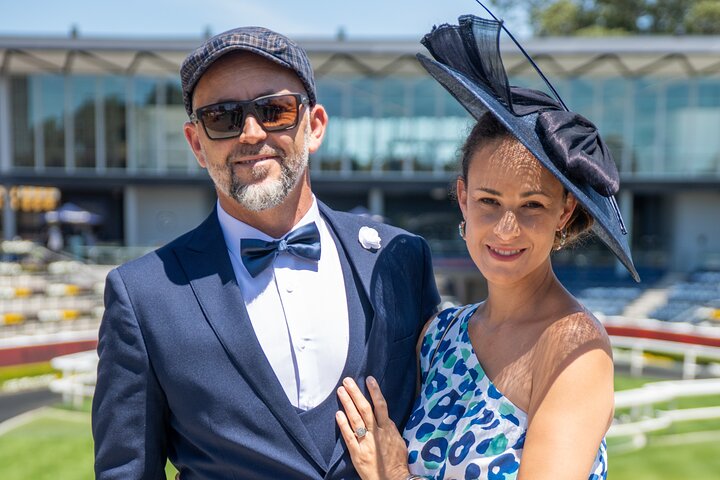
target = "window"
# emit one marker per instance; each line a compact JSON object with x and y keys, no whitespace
{"x":21,"y":112}
{"x":115,"y":127}
{"x":84,"y":90}
{"x":52,"y":118}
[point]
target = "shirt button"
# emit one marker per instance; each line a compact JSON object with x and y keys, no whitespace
{"x":289,"y":288}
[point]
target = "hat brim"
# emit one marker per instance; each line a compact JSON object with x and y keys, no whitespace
{"x":477,"y":101}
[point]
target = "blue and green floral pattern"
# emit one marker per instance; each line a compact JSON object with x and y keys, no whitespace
{"x":461,"y":426}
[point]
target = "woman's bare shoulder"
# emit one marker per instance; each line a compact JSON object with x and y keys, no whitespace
{"x":565,"y":340}
{"x":579,"y":329}
{"x":573,"y":355}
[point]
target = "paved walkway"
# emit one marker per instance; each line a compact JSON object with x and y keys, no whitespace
{"x":13,"y":404}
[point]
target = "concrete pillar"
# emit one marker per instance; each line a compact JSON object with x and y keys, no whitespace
{"x":376,"y":201}
{"x":9,"y":221}
{"x":5,"y":126}
{"x":130,"y":204}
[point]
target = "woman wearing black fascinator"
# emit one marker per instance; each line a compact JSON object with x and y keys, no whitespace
{"x":520,"y":385}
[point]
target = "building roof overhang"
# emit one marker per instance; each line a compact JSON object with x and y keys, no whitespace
{"x":572,"y":56}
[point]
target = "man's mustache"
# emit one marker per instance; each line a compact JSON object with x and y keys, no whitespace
{"x":251,"y":150}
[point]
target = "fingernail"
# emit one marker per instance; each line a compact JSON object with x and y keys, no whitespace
{"x":371,"y":380}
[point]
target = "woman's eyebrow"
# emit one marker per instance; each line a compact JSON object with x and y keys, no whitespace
{"x":523,"y":195}
{"x":489,"y":190}
{"x":534,"y":192}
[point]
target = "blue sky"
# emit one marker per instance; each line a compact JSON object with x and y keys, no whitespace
{"x":191,"y":18}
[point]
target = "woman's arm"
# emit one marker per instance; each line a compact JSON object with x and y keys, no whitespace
{"x":381,"y":454}
{"x":418,"y":348}
{"x":571,"y":406}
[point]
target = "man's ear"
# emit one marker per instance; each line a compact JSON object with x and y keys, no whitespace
{"x":191,"y":135}
{"x":318,"y":119}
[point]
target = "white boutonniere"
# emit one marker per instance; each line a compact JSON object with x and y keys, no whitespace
{"x":369,"y":238}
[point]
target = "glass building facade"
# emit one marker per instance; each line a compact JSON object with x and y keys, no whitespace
{"x":98,"y":123}
{"x":112,"y":123}
{"x":655,"y":126}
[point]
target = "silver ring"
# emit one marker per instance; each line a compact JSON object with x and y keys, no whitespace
{"x":360,"y":432}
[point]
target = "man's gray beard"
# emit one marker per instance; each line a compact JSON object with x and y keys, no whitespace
{"x":271,"y":192}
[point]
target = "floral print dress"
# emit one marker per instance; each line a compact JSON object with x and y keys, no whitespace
{"x":461,"y":426}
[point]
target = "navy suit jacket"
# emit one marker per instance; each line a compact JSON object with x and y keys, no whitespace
{"x":182,"y":375}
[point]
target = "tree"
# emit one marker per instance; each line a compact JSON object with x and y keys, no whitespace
{"x":704,"y":18}
{"x":618,"y":17}
{"x":563,"y":17}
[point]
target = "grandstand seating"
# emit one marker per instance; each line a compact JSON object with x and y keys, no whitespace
{"x":696,"y":300}
{"x":602,"y":290}
{"x":39,"y":287}
{"x":577,"y":278}
{"x":608,"y":300}
{"x":41,"y":291}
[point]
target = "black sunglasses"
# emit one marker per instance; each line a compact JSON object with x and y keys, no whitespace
{"x":273,"y":113}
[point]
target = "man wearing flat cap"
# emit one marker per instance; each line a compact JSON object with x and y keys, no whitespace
{"x":223,"y":350}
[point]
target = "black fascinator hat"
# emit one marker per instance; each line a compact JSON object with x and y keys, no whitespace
{"x":467,"y":63}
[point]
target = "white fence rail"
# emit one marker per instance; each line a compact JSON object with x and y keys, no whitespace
{"x":78,"y":378}
{"x":645,"y":418}
{"x":690,"y":354}
{"x":644,"y":415}
{"x":77,"y":381}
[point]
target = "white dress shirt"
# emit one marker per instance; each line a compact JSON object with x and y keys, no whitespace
{"x":298,"y":309}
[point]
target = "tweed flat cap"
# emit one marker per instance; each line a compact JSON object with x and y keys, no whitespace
{"x":258,"y":40}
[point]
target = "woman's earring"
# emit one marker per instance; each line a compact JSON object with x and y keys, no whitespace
{"x":563,"y":239}
{"x":461,"y":229}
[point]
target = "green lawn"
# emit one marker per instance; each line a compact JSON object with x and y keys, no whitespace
{"x":53,"y":446}
{"x":626,"y":382}
{"x":696,"y":461}
{"x":660,"y":461}
{"x":57,"y":445}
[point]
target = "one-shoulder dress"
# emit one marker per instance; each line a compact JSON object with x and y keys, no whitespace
{"x":461,"y":426}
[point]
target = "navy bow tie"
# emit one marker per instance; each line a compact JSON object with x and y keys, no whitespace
{"x":257,"y":255}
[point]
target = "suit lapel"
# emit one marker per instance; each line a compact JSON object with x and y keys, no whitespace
{"x":206,"y":262}
{"x":346,"y":230}
{"x":362,"y":262}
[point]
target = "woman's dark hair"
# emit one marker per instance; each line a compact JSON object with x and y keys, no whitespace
{"x":488,"y":129}
{"x":577,"y":228}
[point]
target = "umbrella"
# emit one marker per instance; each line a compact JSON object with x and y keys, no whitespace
{"x":72,"y":214}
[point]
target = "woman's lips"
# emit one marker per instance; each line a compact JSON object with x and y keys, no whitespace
{"x":505,"y":254}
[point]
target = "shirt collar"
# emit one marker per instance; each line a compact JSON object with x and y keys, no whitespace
{"x":234,"y":230}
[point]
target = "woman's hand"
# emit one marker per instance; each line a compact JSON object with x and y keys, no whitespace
{"x":381,"y":453}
